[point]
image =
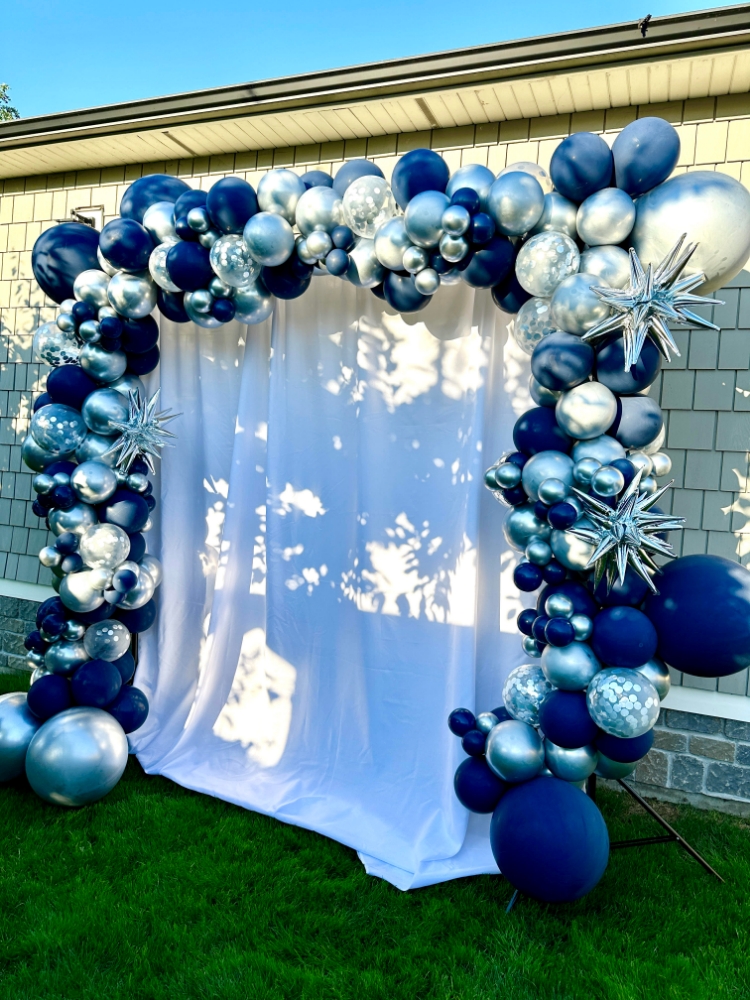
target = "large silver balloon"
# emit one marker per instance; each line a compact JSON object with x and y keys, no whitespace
{"x":36,"y":457}
{"x":573,"y":552}
{"x":128,"y":383}
{"x":524,"y":691}
{"x":607,"y":216}
{"x":521,"y":525}
{"x":604,"y":449}
{"x":103,"y":410}
{"x":153,"y":567}
{"x":533,"y":322}
{"x":514,"y":751}
{"x":104,"y":546}
{"x":570,"y":765}
{"x":54,"y":346}
{"x":158,"y":219}
{"x":157,"y":266}
{"x":104,"y":366}
{"x":77,"y":757}
{"x":622,"y":702}
{"x":515,"y":202}
{"x":91,"y":287}
{"x":198,"y":307}
{"x":610,"y":264}
{"x":78,"y":591}
{"x":575,"y":308}
{"x":571,"y":667}
{"x":473,"y":176}
{"x":93,"y":448}
{"x":391,"y":243}
{"x":77,"y":519}
{"x":423,"y":218}
{"x":319,"y":209}
{"x":546,"y":465}
{"x":17,"y":728}
{"x":57,"y":428}
{"x":535,"y":171}
{"x":107,"y":640}
{"x":269,"y":238}
{"x":132,"y":295}
{"x":613,"y":769}
{"x":368,"y":202}
{"x":278,"y":193}
{"x":231,"y":261}
{"x":658,"y":673}
{"x":140,"y":594}
{"x":544,"y":261}
{"x":364,"y":270}
{"x":65,"y":657}
{"x":712,"y":208}
{"x":558,"y":216}
{"x":254,"y":303}
{"x":587,"y":411}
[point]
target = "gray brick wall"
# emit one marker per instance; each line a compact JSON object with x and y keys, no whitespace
{"x":17,"y":618}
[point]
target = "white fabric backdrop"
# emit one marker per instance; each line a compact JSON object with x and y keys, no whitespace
{"x":336,"y":579}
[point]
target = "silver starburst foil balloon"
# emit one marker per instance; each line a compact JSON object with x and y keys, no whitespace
{"x":144,"y":433}
{"x":622,"y":702}
{"x":524,"y":691}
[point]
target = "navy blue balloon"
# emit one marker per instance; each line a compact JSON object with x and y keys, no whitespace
{"x":69,"y":384}
{"x":623,"y":637}
{"x":60,"y":466}
{"x":559,"y":632}
{"x":581,"y":165}
{"x":540,"y":510}
{"x":126,"y":509}
{"x":549,"y":840}
{"x":146,"y":191}
{"x":343,"y":238}
{"x":610,"y":370}
{"x":473,"y":742}
{"x":460,"y":721}
{"x":171,"y":306}
{"x":189,"y":266}
{"x":139,"y":620}
{"x":477,"y":787}
{"x":625,"y":750}
{"x":224,"y":310}
{"x":112,"y":326}
{"x":561,"y":361}
{"x":702,"y":615}
{"x":142,"y":364}
{"x":645,"y":153}
{"x":639,"y":420}
{"x":525,"y":621}
{"x":527,"y":576}
{"x":60,"y":255}
{"x":288,"y":280}
{"x":537,"y":629}
{"x":517,"y":458}
{"x":52,"y":606}
{"x":126,"y":244}
{"x":49,"y":695}
{"x":126,"y":665}
{"x":190,"y":199}
{"x":537,"y":430}
{"x":54,"y":624}
{"x":564,"y":719}
{"x":583,"y":603}
{"x":83,"y":311}
{"x":418,"y":170}
{"x":337,"y":262}
{"x":351,"y":170}
{"x":467,"y":198}
{"x":34,"y":641}
{"x":490,"y":263}
{"x":139,"y":335}
{"x":514,"y":496}
{"x":230,"y":203}
{"x":402,"y":294}
{"x":63,"y":496}
{"x":137,"y":544}
{"x":130,"y":708}
{"x":554,"y":572}
{"x":316,"y":178}
{"x":501,"y":714}
{"x":482,"y":229}
{"x":627,"y":469}
{"x":100,"y":614}
{"x":631,"y":591}
{"x":562,"y":515}
{"x":96,"y":683}
{"x":508,"y":295}
{"x":44,"y":400}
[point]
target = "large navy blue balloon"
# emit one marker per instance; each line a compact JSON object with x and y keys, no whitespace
{"x":549,"y":840}
{"x":561,"y":361}
{"x":581,"y":165}
{"x":418,"y":170}
{"x":625,"y":750}
{"x":126,"y":244}
{"x":146,"y":191}
{"x":631,"y":591}
{"x":189,"y":266}
{"x":230,"y":203}
{"x":139,"y":620}
{"x":477,"y":788}
{"x":645,"y":154}
{"x":49,"y":695}
{"x":351,"y":170}
{"x":537,"y":430}
{"x":702,"y":615}
{"x":126,"y":665}
{"x":401,"y":293}
{"x":508,"y":295}
{"x":130,"y":708}
{"x":623,"y":637}
{"x":69,"y":384}
{"x":490,"y":263}
{"x":139,"y":335}
{"x":127,"y":510}
{"x":171,"y":305}
{"x":190,"y":199}
{"x":96,"y":683}
{"x":564,"y":718}
{"x":288,"y":280}
{"x":639,"y":420}
{"x":611,"y":371}
{"x":143,"y":362}
{"x":316,"y":178}
{"x":60,"y":255}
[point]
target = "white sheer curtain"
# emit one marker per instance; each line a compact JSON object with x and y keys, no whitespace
{"x":335,"y":578}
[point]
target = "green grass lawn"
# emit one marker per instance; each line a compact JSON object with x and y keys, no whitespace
{"x":156,"y":892}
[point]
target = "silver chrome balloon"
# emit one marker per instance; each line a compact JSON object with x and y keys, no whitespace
{"x":73,"y":630}
{"x":208,"y":239}
{"x":132,"y":294}
{"x":57,"y":428}
{"x":391,"y":243}
{"x":319,"y":209}
{"x":541,"y":395}
{"x":611,"y":265}
{"x":158,"y":219}
{"x":104,"y":546}
{"x":587,"y":411}
{"x":66,"y":322}
{"x":538,"y":552}
{"x":524,"y":691}
{"x":104,"y":264}
{"x":101,"y":365}
{"x":54,"y":346}
{"x":50,"y":557}
{"x":515,"y":202}
{"x":43,"y":483}
{"x":456,"y":220}
{"x":606,"y":217}
{"x":103,"y":410}
{"x":269,"y":238}
{"x":514,"y":751}
{"x":521,"y":525}
{"x":319,"y":244}
{"x":364,"y":270}
{"x":546,"y":465}
{"x":107,"y":640}
{"x":553,"y":490}
{"x":570,"y":765}
{"x":367,"y":203}
{"x":582,"y":626}
{"x":604,"y":449}
{"x":198,"y":219}
{"x":90,"y":332}
{"x":94,"y":448}
{"x":507,"y":475}
{"x":195,"y":306}
{"x":559,"y":606}
{"x":142,"y":592}
{"x":65,"y":657}
{"x":153,"y":567}
{"x":608,"y":481}
{"x":279,"y":192}
{"x":658,"y":673}
{"x":585,"y":470}
{"x":473,"y":176}
{"x":531,"y":647}
{"x":232,"y":263}
{"x":533,"y":322}
{"x":661,"y":464}
{"x":453,"y":248}
{"x":613,"y":769}
{"x":91,"y":287}
{"x":128,"y":383}
{"x":415,"y":259}
{"x":575,"y":307}
{"x":77,"y":757}
{"x":254,"y":303}
{"x":573,"y":552}
{"x":427,"y":282}
{"x":622,"y":702}
{"x":423,"y":218}
{"x":641,"y":461}
{"x":202,"y":301}
{"x":17,"y":728}
{"x":533,"y":169}
{"x":36,"y":457}
{"x":77,"y":519}
{"x":544,"y":261}
{"x":137,"y":482}
{"x":219,"y":289}
{"x":558,"y":216}
{"x":486,"y":721}
{"x":571,"y":667}
{"x":93,"y":482}
{"x":79,"y":593}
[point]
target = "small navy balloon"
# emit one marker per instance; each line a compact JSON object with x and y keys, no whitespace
{"x":581,"y":165}
{"x":477,"y":787}
{"x":417,"y":171}
{"x":564,"y":719}
{"x":645,"y":153}
{"x":537,"y":430}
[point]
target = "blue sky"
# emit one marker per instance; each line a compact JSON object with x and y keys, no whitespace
{"x":57,"y":56}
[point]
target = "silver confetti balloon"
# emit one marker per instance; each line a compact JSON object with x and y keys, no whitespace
{"x":544,"y":261}
{"x":77,"y":757}
{"x":91,"y":287}
{"x":534,"y":170}
{"x":391,"y":243}
{"x":423,"y":218}
{"x":279,"y":191}
{"x":521,"y":525}
{"x":319,"y":209}
{"x":622,"y":702}
{"x":79,"y":592}
{"x":198,"y":309}
{"x":65,"y":657}
{"x":157,"y":266}
{"x":532,"y":322}
{"x":558,"y":216}
{"x":571,"y":667}
{"x":231,"y":261}
{"x":604,"y":449}
{"x":524,"y":691}
{"x":104,"y":546}
{"x":57,"y":428}
{"x":570,"y":765}
{"x":269,"y":239}
{"x":104,"y":366}
{"x":368,"y":202}
{"x":657,"y":672}
{"x":77,"y":519}
{"x":107,"y":640}
{"x":158,"y":219}
{"x":613,"y":769}
{"x":36,"y":457}
{"x":456,"y":220}
{"x":104,"y":264}
{"x":473,"y":176}
{"x":514,"y":751}
{"x":364,"y":270}
{"x":573,"y":552}
{"x":546,"y":465}
{"x":254,"y":303}
{"x":611,"y":265}
{"x":606,"y":217}
{"x":17,"y":728}
{"x":103,"y":410}
{"x":94,"y":448}
{"x":54,"y":346}
{"x":574,"y":306}
{"x":515,"y":202}
{"x":132,"y":295}
{"x":153,"y":567}
{"x":587,"y":411}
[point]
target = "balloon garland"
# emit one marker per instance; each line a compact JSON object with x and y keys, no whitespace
{"x":581,"y":483}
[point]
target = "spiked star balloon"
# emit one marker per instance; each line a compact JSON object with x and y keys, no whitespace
{"x":142,"y":434}
{"x":626,"y":535}
{"x":652,"y":298}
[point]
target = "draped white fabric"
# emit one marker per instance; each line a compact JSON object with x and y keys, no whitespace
{"x":335,"y":577}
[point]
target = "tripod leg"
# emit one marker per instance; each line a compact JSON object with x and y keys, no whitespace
{"x":513,"y":901}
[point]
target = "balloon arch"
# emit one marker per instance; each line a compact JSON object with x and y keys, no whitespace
{"x":596,"y":259}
